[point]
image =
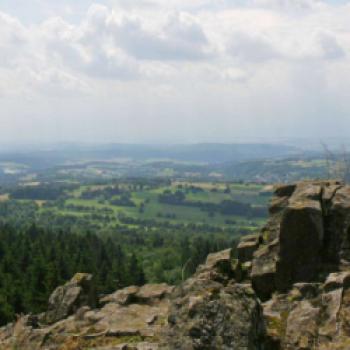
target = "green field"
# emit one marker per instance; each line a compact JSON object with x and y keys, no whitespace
{"x":74,"y":204}
{"x":161,"y":221}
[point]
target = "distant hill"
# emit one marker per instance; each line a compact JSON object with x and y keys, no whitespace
{"x":211,"y":153}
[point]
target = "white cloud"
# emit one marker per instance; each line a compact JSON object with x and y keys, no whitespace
{"x":248,"y":48}
{"x":330,"y":47}
{"x":289,"y":5}
{"x":179,"y":39}
{"x":204,"y":62}
{"x":13,"y":39}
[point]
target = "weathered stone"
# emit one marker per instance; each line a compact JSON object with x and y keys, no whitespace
{"x":302,"y":329}
{"x":277,"y":204}
{"x":329,"y":321}
{"x":285,"y":190}
{"x":149,"y":292}
{"x":264,"y":270}
{"x":67,"y":299}
{"x":337,"y":280}
{"x":301,"y":237}
{"x":306,"y":290}
{"x":220,"y":261}
{"x":147,"y":346}
{"x":123,"y":296}
{"x":247,"y":247}
{"x":215,"y":324}
{"x":298,"y":232}
{"x":337,"y":223}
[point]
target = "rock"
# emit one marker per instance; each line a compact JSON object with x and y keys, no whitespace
{"x":204,"y":309}
{"x":337,"y":280}
{"x":275,"y":314}
{"x":301,"y":331}
{"x":123,"y":332}
{"x":212,"y":322}
{"x":331,"y":301}
{"x":147,"y":346}
{"x":337,"y":246}
{"x":80,"y":313}
{"x":145,"y":294}
{"x":116,"y":325}
{"x":149,"y":292}
{"x":300,"y":241}
{"x":305,"y":290}
{"x":277,"y":204}
{"x":219,"y":261}
{"x":123,"y":297}
{"x":67,"y":299}
{"x":247,"y":246}
{"x":263,"y":273}
{"x":294,"y":239}
{"x":285,"y":190}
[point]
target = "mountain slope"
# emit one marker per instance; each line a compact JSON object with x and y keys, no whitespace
{"x":288,"y":289}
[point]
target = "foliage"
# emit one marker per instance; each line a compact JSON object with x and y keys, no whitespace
{"x":35,"y":261}
{"x":144,"y":230}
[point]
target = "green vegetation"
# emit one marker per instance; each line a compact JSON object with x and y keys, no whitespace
{"x":206,"y":162}
{"x":123,"y":231}
{"x":33,"y":262}
{"x":127,"y":219}
{"x":233,"y":208}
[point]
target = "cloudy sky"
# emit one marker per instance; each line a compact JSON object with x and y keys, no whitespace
{"x":173,"y":70}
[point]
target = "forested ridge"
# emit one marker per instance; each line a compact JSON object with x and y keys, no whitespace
{"x":34,"y":261}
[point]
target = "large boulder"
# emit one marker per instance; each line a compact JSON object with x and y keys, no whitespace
{"x":302,"y":268}
{"x":311,"y":316}
{"x":264,"y":269}
{"x":129,"y":319}
{"x":147,"y":294}
{"x":216,"y":318}
{"x":211,"y":311}
{"x":300,"y":242}
{"x":305,"y":238}
{"x":247,"y":246}
{"x":67,"y":299}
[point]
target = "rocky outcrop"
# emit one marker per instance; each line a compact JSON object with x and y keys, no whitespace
{"x":301,"y":268}
{"x":304,"y":237}
{"x":67,"y":299}
{"x":288,"y":289}
{"x":204,"y":310}
{"x":131,"y":318}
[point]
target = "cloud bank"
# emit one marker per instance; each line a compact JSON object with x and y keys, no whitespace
{"x":175,"y":71}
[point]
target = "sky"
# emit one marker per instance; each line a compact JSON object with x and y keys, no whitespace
{"x":173,"y":71}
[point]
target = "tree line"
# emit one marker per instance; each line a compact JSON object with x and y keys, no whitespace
{"x":35,"y":261}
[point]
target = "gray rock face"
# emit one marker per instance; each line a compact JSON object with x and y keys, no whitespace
{"x":300,"y":242}
{"x":306,"y":235}
{"x":302,"y":268}
{"x":211,"y":322}
{"x":205,"y":309}
{"x":146,"y":294}
{"x":132,"y":325}
{"x":302,"y":328}
{"x":67,"y":299}
{"x":247,"y":246}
